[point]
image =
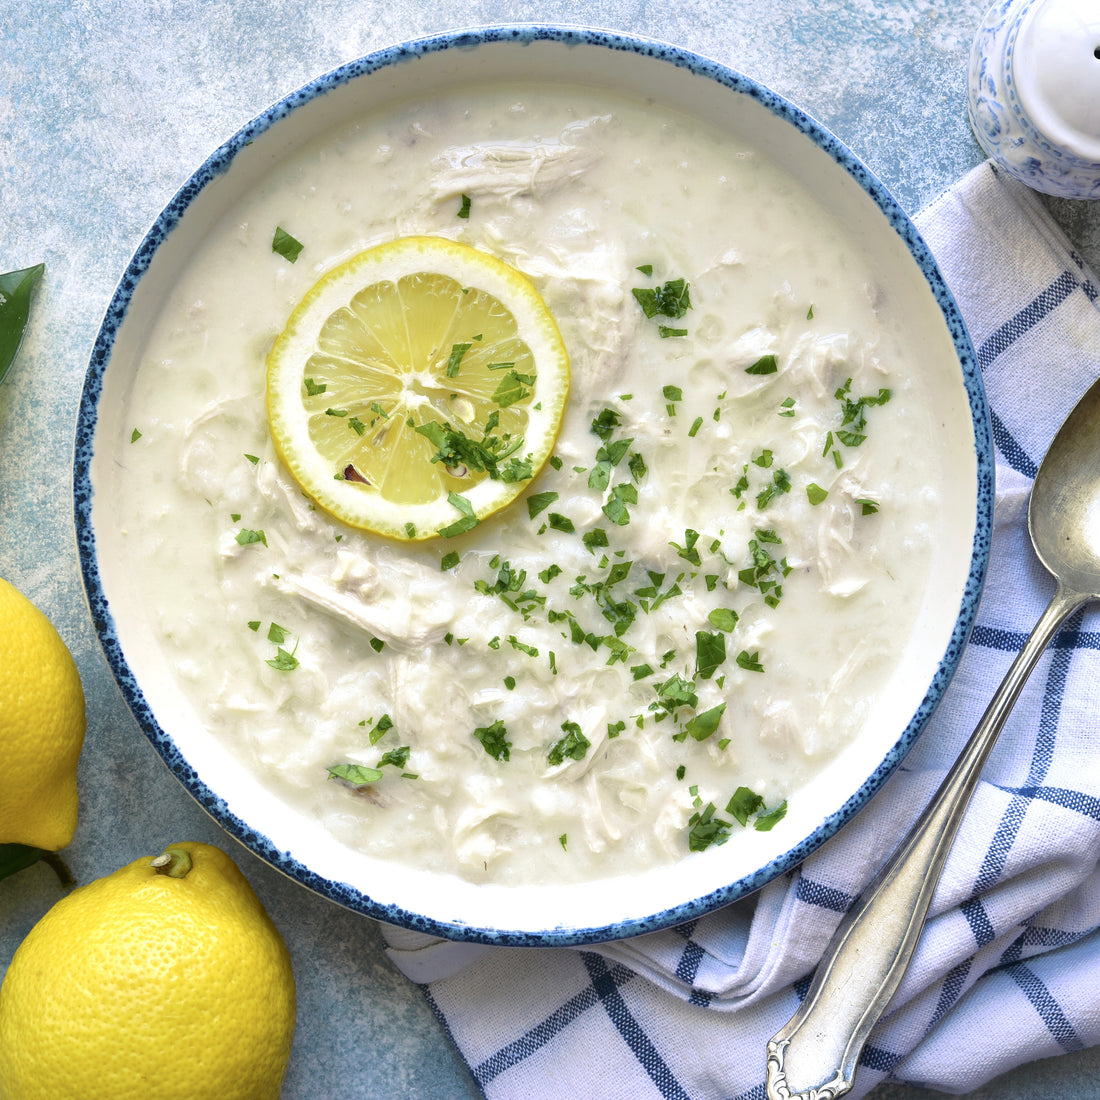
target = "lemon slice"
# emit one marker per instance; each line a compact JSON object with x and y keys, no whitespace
{"x":417,"y":388}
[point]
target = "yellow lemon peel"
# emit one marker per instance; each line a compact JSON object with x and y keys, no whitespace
{"x":42,"y":724}
{"x":143,"y":962}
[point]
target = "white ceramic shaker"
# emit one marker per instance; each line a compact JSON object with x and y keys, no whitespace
{"x":1035,"y":93}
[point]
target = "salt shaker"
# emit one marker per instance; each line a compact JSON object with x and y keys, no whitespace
{"x":1034,"y":93}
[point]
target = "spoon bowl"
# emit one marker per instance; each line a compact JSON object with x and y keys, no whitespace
{"x":1063,"y":513}
{"x":813,"y":1056}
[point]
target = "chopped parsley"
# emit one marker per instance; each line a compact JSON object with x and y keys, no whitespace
{"x":513,"y":387}
{"x":539,"y":502}
{"x":766,"y":364}
{"x":380,"y":729}
{"x":457,"y":352}
{"x":561,"y":523}
{"x":283,"y":661}
{"x":852,"y":431}
{"x":572,"y":746}
{"x":466,"y":522}
{"x":397,"y":758}
{"x":723,"y":618}
{"x":743,"y":804}
{"x":286,"y":245}
{"x":750,"y":662}
{"x":616,"y":507}
{"x":494,"y":455}
{"x":706,"y":829}
{"x":701,"y":726}
{"x":781,"y":483}
{"x":494,"y":740}
{"x":358,"y":775}
{"x":746,"y":802}
{"x":464,"y":209}
{"x":672,"y":299}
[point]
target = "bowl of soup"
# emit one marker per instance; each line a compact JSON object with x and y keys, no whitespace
{"x":703,"y":633}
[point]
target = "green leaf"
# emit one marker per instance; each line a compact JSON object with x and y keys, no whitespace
{"x":561,"y":523}
{"x":464,"y":209}
{"x":743,"y":804}
{"x":573,"y":745}
{"x":17,"y":857}
{"x":494,"y":740}
{"x":283,"y":661}
{"x":673,"y":299}
{"x":771,"y":818}
{"x":286,"y":245}
{"x":16,"y":288}
{"x":710,"y":653}
{"x":466,"y":522}
{"x":750,"y":662}
{"x":703,"y":725}
{"x":539,"y":502}
{"x":706,"y":829}
{"x":513,"y":387}
{"x":358,"y":775}
{"x":724,"y":618}
{"x":457,"y":352}
{"x":398,"y":757}
{"x":766,"y":364}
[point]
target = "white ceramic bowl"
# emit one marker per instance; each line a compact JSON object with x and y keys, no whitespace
{"x":939,"y":626}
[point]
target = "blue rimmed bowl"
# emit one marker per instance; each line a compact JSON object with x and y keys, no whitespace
{"x":937,"y":627}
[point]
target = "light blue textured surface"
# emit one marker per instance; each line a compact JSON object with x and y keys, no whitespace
{"x":105,"y":109}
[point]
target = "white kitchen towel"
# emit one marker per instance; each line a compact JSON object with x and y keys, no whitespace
{"x":1009,"y":965}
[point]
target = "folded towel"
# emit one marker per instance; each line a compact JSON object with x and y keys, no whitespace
{"x":1009,"y":963}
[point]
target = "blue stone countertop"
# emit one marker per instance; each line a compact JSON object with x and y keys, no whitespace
{"x":106,"y":107}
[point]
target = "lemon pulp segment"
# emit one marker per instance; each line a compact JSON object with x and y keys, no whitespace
{"x":417,"y":388}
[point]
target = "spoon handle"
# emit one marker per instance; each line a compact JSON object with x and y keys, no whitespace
{"x":816,"y":1051}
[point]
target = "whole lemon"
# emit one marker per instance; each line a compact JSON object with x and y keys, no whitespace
{"x":163,"y":981}
{"x":41,"y":727}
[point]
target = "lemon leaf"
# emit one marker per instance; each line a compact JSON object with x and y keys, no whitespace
{"x":17,"y":857}
{"x":16,"y":288}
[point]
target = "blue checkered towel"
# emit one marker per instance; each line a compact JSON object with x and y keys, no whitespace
{"x":1009,"y":965}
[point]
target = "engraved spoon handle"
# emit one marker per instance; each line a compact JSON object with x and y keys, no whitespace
{"x":813,"y":1056}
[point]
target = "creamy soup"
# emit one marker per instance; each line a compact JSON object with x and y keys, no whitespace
{"x":684,"y":617}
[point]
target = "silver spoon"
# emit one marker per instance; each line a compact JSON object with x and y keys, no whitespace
{"x":813,"y":1056}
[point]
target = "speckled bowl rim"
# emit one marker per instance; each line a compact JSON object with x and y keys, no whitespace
{"x":217,"y":163}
